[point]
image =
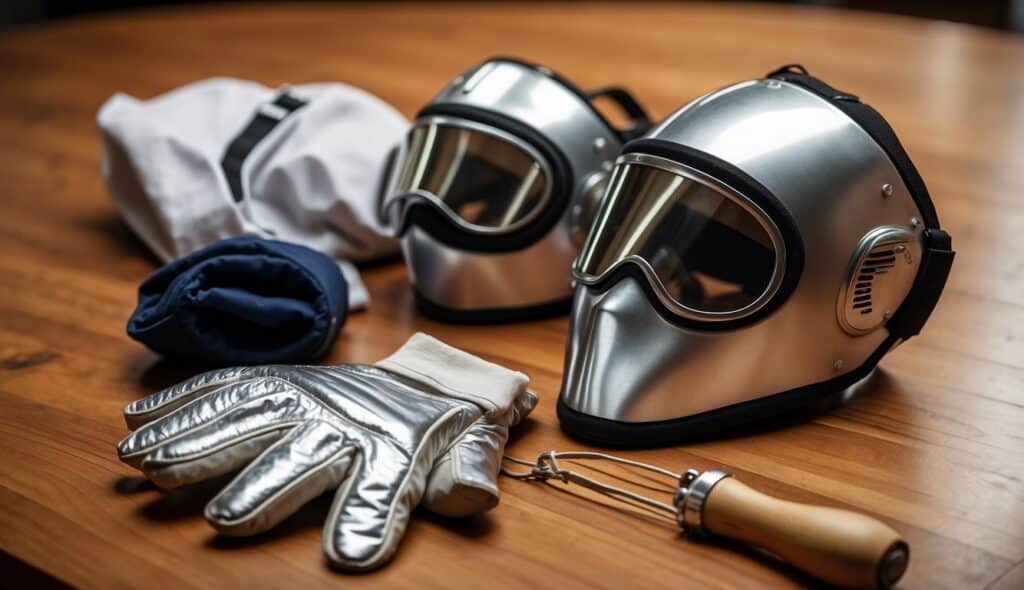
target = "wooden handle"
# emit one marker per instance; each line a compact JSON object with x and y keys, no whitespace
{"x":839,"y":546}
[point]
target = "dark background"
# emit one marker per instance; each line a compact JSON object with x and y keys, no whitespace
{"x":1000,"y":14}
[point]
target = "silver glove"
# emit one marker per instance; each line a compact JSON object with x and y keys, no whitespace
{"x":426,"y":425}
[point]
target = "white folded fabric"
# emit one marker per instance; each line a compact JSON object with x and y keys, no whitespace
{"x":458,"y":374}
{"x":224,"y":157}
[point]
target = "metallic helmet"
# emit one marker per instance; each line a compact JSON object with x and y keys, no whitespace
{"x":764,"y":246}
{"x":495,"y":185}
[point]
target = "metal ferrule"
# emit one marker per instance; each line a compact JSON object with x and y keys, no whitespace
{"x":692,"y":496}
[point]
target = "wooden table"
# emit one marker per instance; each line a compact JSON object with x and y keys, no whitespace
{"x":936,"y":449}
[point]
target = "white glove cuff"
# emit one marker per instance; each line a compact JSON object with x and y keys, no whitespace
{"x":457,"y":373}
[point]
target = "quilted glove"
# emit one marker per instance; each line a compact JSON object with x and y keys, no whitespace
{"x":426,"y":425}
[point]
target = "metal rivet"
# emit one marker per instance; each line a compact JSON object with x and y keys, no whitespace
{"x":914,"y":222}
{"x":887,"y":190}
{"x":887,"y":314}
{"x":599,"y":145}
{"x":773,"y":84}
{"x":837,"y":365}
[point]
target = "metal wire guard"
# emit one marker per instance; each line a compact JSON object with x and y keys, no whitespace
{"x":547,"y":467}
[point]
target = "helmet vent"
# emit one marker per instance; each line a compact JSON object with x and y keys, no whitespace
{"x":878,"y":262}
{"x":882,"y":272}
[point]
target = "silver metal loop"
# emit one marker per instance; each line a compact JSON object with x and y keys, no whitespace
{"x":547,"y":467}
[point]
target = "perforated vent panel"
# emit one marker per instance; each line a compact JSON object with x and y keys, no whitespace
{"x":881,"y":274}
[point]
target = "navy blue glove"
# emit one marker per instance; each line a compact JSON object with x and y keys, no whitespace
{"x":243,"y":301}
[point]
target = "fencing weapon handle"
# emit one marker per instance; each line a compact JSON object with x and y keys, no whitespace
{"x":839,"y":546}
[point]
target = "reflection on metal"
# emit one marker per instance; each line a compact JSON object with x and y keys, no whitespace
{"x":503,"y":280}
{"x":584,"y":209}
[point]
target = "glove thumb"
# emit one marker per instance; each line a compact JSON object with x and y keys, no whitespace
{"x":464,"y":481}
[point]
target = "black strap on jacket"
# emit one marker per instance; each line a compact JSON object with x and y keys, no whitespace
{"x":262,"y":123}
{"x":937,"y":247}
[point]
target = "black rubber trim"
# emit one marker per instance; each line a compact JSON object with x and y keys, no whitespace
{"x":633,"y":271}
{"x":876,"y":126}
{"x":439,"y":226}
{"x":258,"y":128}
{"x":802,"y":402}
{"x":917,"y":307}
{"x":637,"y":129}
{"x":748,"y":187}
{"x":509,"y":315}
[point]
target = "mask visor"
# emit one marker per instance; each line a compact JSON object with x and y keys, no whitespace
{"x":484,"y":179}
{"x":709,"y":252}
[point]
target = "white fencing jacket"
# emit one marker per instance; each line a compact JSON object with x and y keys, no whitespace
{"x":224,"y":157}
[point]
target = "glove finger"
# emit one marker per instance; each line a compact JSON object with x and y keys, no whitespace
{"x":310,"y":460}
{"x":224,"y":444}
{"x":164,"y":402}
{"x":464,"y":481}
{"x":193,"y":415}
{"x":371,"y":510}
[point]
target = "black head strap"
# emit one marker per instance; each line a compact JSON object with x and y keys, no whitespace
{"x":936,"y":261}
{"x":639,"y":121}
{"x":872,"y":122}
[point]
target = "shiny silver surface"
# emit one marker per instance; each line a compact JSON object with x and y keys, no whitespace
{"x":881,"y":274}
{"x":384,"y":441}
{"x":660,"y":289}
{"x":540,"y":273}
{"x":584,"y":210}
{"x":624,"y":362}
{"x":693,"y":495}
{"x":397,"y":201}
{"x":533,"y":97}
{"x":464,"y":280}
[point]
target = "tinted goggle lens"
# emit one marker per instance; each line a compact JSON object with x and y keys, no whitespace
{"x":710,"y":251}
{"x":485,"y":179}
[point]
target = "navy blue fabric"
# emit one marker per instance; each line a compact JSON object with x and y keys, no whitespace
{"x":243,"y":301}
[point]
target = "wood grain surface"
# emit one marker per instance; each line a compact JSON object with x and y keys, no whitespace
{"x":934,"y":449}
